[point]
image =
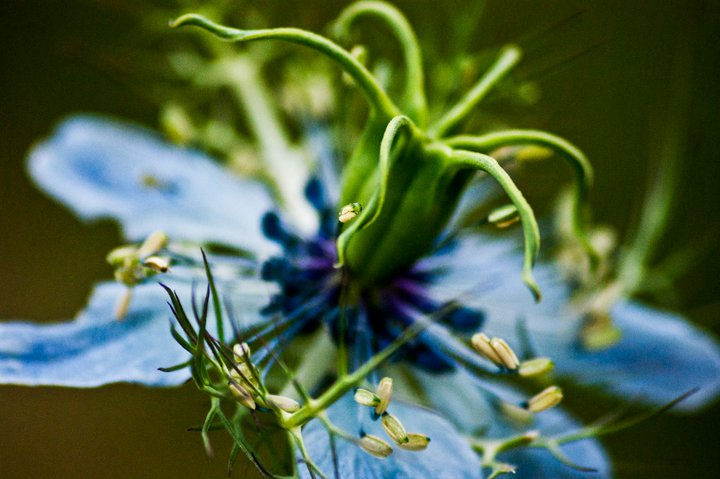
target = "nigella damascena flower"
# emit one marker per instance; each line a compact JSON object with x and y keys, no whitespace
{"x":416,"y":302}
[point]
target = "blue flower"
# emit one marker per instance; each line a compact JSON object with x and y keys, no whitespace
{"x":405,"y":281}
{"x":97,"y":167}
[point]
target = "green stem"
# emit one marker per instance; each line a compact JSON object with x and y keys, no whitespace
{"x":414,"y":89}
{"x":345,"y":383}
{"x":531,"y":232}
{"x":282,"y":161}
{"x":509,"y":57}
{"x":577,"y":159}
{"x":374,"y":94}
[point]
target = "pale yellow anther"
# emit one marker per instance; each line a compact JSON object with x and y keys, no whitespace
{"x":242,"y":396}
{"x":375,"y":446}
{"x":416,"y":442}
{"x":152,"y":244}
{"x":366,"y":398}
{"x":535,"y":367}
{"x":504,"y":216}
{"x":545,"y":399}
{"x":384,"y":392}
{"x":481,"y":343}
{"x":394,"y":429}
{"x":283,"y":403}
{"x":159,"y":264}
{"x":507,"y":356}
{"x":348,"y":212}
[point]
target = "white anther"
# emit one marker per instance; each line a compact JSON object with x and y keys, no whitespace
{"x":394,"y":429}
{"x":366,"y":398}
{"x":507,"y":356}
{"x":481,"y":343}
{"x":159,"y":264}
{"x":349,"y":212}
{"x":384,"y":392}
{"x":375,"y":446}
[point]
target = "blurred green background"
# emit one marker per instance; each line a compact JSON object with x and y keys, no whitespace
{"x":605,"y":78}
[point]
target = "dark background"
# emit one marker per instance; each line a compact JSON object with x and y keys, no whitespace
{"x":612,"y":101}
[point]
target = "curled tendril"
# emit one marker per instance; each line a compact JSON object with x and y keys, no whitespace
{"x":509,"y":57}
{"x":414,"y":89}
{"x":375,"y":95}
{"x":531,"y":232}
{"x":577,"y":159}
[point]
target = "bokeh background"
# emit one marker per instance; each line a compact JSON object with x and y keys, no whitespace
{"x":606,"y":84}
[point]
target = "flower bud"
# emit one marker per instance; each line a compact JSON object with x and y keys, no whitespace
{"x":535,"y":367}
{"x":394,"y":429}
{"x":366,"y":398}
{"x":375,"y":446}
{"x":283,"y":403}
{"x":545,"y":399}
{"x":384,"y":392}
{"x":416,"y":442}
{"x":243,"y":374}
{"x":241,"y":351}
{"x":242,"y":396}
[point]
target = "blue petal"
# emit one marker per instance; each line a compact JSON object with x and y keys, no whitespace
{"x":540,"y":464}
{"x":103,"y":168}
{"x":659,"y":357}
{"x":458,"y":397}
{"x":96,"y":348}
{"x":447,"y":456}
